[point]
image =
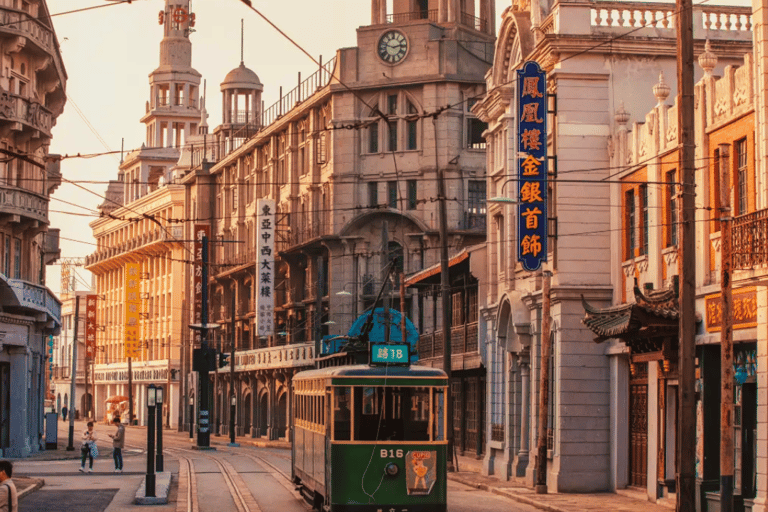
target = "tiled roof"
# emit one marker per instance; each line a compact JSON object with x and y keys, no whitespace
{"x":654,"y":314}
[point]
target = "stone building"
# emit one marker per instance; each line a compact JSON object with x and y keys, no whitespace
{"x":32,"y":96}
{"x":729,"y":136}
{"x":597,"y":57}
{"x":139,"y":226}
{"x":348,"y":154}
{"x":62,"y":355}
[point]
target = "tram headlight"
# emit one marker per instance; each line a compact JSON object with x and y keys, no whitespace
{"x":391,"y":469}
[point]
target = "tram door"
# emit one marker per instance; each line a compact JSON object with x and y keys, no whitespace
{"x":638,"y":426}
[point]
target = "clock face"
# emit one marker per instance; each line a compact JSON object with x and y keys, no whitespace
{"x":393,"y":46}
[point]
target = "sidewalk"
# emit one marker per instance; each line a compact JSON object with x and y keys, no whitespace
{"x":624,"y":501}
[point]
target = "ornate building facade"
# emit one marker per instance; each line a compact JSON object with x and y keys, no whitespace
{"x":140,"y":225}
{"x":587,"y":80}
{"x":351,"y":153}
{"x":32,"y":96}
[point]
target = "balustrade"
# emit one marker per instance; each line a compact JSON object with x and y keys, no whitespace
{"x":750,"y":240}
{"x":22,"y":23}
{"x":463,"y":341}
{"x":18,"y":109}
{"x":17,"y":201}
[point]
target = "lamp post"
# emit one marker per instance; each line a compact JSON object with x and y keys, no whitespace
{"x":159,"y":458}
{"x":149,"y":487}
{"x":191,"y":418}
{"x":232,"y":406}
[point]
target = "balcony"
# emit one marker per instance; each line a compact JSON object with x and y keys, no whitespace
{"x":170,"y":234}
{"x":404,"y":17}
{"x":17,"y":201}
{"x":287,"y":356}
{"x":750,"y":240}
{"x":22,"y":111}
{"x":464,"y":347}
{"x":35,"y":297}
{"x":17,"y":23}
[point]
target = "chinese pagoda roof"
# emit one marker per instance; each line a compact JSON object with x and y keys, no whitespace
{"x":652,"y":315}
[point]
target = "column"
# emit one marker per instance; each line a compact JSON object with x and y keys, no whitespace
{"x":253,"y":405}
{"x":761,"y":498}
{"x":18,"y":431}
{"x":236,"y":107}
{"x":224,"y":109}
{"x":442,"y":11}
{"x":382,"y":11}
{"x":454,"y":16}
{"x":525,"y":412}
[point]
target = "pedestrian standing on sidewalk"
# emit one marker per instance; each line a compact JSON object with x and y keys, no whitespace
{"x":64,"y":411}
{"x":118,"y":443}
{"x":9,"y":500}
{"x":88,"y":448}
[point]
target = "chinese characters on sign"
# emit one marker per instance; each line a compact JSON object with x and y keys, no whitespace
{"x":744,"y":310}
{"x":90,"y":326}
{"x":532,"y":166}
{"x":201,"y":231}
{"x":132,"y":309}
{"x":265,"y":266}
{"x":395,"y":353}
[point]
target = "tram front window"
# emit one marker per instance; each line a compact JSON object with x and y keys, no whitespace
{"x":391,"y":414}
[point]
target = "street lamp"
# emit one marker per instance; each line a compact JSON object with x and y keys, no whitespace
{"x":151,"y":404}
{"x":232,"y":406}
{"x":501,"y":198}
{"x":159,"y":458}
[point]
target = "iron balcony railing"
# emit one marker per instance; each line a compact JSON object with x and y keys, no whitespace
{"x":750,"y":240}
{"x":463,"y":341}
{"x":403,"y":17}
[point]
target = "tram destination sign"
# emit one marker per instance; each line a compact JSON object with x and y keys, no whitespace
{"x":390,"y":354}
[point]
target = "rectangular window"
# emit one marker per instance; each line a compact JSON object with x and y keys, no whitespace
{"x":392,"y":104}
{"x":476,"y":206}
{"x":373,"y":138}
{"x":6,"y":255}
{"x":234,"y":198}
{"x":644,"y":194}
{"x":742,"y":202}
{"x":629,"y":213}
{"x":413,"y":134}
{"x":373,"y":194}
{"x":392,"y":135}
{"x":412,"y":197}
{"x":671,"y":209}
{"x":392,"y":194}
{"x":16,"y":258}
{"x":475,"y":129}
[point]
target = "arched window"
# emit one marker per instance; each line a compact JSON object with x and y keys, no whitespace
{"x":394,"y":123}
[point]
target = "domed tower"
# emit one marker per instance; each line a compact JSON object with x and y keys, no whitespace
{"x":241,"y":109}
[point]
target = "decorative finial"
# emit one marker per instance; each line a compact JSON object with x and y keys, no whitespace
{"x":707,"y":60}
{"x":621,"y":116}
{"x":661,"y":90}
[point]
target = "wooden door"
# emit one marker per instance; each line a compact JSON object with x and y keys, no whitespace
{"x":638,"y":426}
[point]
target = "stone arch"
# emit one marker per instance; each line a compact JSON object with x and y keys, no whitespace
{"x":515,"y":42}
{"x":282,"y":413}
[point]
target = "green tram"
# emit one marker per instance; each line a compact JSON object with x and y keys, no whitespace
{"x":371,"y":438}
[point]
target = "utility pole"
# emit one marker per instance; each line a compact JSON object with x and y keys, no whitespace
{"x":546,"y":349}
{"x":204,"y":430}
{"x":317,"y":324}
{"x":385,"y":276}
{"x":73,"y":385}
{"x":87,"y":408}
{"x":402,"y":308}
{"x":726,"y":336}
{"x":232,"y":398}
{"x":686,"y":425}
{"x":445,"y":291}
{"x":130,"y":392}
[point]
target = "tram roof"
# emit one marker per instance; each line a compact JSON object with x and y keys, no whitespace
{"x":364,"y":370}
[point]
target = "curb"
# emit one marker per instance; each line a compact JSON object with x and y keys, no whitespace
{"x":507,"y":494}
{"x":38,"y":484}
{"x":162,"y":490}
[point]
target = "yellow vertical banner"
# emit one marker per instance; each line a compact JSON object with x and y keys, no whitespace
{"x":132,"y":309}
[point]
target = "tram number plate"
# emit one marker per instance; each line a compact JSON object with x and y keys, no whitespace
{"x":391,"y":454}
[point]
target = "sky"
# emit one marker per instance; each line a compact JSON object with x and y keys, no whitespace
{"x":109,"y":52}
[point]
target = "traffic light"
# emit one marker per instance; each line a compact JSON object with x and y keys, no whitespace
{"x":223,"y":359}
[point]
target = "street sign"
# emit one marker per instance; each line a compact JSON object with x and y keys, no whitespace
{"x":392,"y":353}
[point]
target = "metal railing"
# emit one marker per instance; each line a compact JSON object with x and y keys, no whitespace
{"x":469,"y":20}
{"x":750,"y":240}
{"x":463,"y":341}
{"x":403,"y":17}
{"x":304,"y":90}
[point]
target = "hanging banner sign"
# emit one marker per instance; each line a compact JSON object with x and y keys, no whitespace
{"x":201,"y":231}
{"x":265,"y":266}
{"x":532,"y":166}
{"x":132,"y":309}
{"x":90,"y":326}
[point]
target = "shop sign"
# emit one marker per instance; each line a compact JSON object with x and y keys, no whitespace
{"x":201,"y":231}
{"x":265,"y":266}
{"x":90,"y":326}
{"x":132,"y":309}
{"x":743,"y":309}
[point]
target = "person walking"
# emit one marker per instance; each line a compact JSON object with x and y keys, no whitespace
{"x":118,"y":443}
{"x":88,"y":448}
{"x":64,"y":411}
{"x":9,"y":499}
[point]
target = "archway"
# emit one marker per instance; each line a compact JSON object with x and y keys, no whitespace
{"x":246,"y":412}
{"x":263,"y":413}
{"x":86,"y":401}
{"x":58,"y":402}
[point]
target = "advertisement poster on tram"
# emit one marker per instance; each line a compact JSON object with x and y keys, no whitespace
{"x":420,"y":472}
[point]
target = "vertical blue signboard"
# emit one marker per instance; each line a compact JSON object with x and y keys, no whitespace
{"x":532,"y":166}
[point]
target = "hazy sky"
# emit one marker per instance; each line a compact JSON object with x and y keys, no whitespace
{"x":109,"y":52}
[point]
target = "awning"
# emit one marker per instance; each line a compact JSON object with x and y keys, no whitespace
{"x":434,"y":270}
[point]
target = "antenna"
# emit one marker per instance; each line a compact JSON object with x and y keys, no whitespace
{"x":242,"y":39}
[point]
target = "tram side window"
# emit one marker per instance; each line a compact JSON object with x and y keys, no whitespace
{"x":438,"y":410}
{"x":341,"y":414}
